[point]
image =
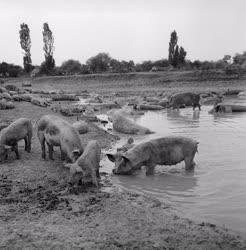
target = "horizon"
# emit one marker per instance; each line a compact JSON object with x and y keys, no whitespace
{"x":128,"y":30}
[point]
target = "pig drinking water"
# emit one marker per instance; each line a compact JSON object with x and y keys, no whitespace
{"x":16,"y":131}
{"x":59,"y":133}
{"x":87,"y":165}
{"x":163,"y":151}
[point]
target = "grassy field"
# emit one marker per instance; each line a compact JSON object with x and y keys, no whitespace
{"x":37,"y":211}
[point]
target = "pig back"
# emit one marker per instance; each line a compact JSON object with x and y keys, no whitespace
{"x":171,"y":150}
{"x":69,"y":137}
{"x":59,"y":132}
{"x":91,"y":155}
{"x":16,"y":131}
{"x":185,"y":98}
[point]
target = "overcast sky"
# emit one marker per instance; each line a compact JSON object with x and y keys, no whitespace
{"x":127,"y":29}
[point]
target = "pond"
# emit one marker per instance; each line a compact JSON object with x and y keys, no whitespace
{"x":216,"y":190}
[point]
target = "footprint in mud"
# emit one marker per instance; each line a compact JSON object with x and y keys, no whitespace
{"x":5,"y":186}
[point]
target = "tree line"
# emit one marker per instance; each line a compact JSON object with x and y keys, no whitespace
{"x":103,"y":62}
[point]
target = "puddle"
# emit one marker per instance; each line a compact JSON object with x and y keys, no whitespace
{"x":216,"y":190}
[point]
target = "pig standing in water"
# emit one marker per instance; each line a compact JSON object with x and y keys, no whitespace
{"x":57,"y":132}
{"x":187,"y":99}
{"x":16,"y":131}
{"x":87,"y":165}
{"x":163,"y":151}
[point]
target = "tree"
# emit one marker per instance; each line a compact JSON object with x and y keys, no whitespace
{"x":71,"y":67}
{"x":182,"y":55}
{"x":115,"y":65}
{"x":176,"y":54}
{"x":25,"y":42}
{"x":48,"y":40}
{"x":99,"y":63}
{"x":227,"y":59}
{"x":239,"y":58}
{"x":175,"y":62}
{"x":10,"y":70}
{"x":172,"y":46}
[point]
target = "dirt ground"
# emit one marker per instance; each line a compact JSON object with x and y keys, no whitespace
{"x":39,"y":211}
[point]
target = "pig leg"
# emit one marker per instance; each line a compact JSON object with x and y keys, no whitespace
{"x":29,"y":144}
{"x":150,"y":169}
{"x":42,"y":142}
{"x":98,"y":174}
{"x":50,"y":147}
{"x":15,"y":148}
{"x":26,"y":144}
{"x":63,"y":155}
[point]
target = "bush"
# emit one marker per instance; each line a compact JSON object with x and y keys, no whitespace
{"x":10,"y":70}
{"x":99,"y":63}
{"x":234,"y":69}
{"x":71,"y":67}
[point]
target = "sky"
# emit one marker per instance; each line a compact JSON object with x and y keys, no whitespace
{"x":126,"y":29}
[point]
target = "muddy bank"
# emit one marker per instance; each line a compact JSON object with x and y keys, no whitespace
{"x":49,"y":217}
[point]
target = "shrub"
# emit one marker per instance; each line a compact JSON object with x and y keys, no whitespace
{"x":71,"y":67}
{"x":234,"y":69}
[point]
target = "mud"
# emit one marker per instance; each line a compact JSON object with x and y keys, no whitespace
{"x":38,"y":208}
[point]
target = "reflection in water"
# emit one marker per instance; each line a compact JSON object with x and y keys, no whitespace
{"x":216,"y":190}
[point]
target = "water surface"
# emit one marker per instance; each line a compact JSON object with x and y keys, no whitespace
{"x":216,"y":190}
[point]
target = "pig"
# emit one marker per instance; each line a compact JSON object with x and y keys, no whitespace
{"x":81,"y":126}
{"x":39,"y":102}
{"x":59,"y":133}
{"x":163,"y":151}
{"x":188,"y":99}
{"x":87,"y":165}
{"x":16,"y":131}
{"x":124,"y":125}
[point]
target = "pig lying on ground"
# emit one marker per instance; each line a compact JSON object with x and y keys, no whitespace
{"x":148,"y":107}
{"x":65,"y":97}
{"x":2,"y":90}
{"x":227,"y":108}
{"x":6,"y":96}
{"x":57,"y":132}
{"x":39,"y":102}
{"x":24,"y":97}
{"x":81,"y":126}
{"x":11,"y":87}
{"x":87,"y":165}
{"x":16,"y":131}
{"x":163,"y":151}
{"x":6,"y":104}
{"x":187,"y":99}
{"x":124,"y":125}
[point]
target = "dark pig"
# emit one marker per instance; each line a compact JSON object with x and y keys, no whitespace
{"x":185,"y":99}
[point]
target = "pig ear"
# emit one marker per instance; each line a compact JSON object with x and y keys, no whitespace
{"x":125,"y":158}
{"x":76,"y":152}
{"x":111,"y":157}
{"x":7,"y":147}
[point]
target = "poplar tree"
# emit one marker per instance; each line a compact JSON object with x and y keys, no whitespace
{"x":25,"y":42}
